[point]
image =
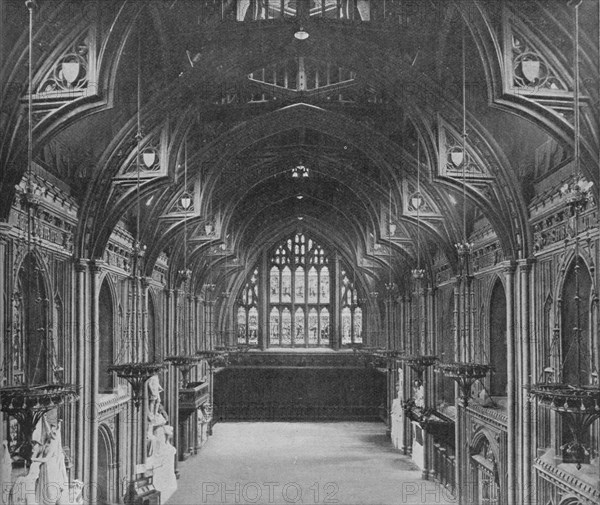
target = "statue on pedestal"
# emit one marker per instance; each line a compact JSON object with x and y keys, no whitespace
{"x":46,"y":481}
{"x":161,"y":452}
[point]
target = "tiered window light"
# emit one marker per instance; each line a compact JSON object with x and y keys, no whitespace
{"x":577,"y":404}
{"x":28,"y":401}
{"x":464,"y":372}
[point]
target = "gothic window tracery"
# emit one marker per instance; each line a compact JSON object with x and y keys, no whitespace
{"x":299,"y":295}
{"x":352,"y":317}
{"x":247,"y":312}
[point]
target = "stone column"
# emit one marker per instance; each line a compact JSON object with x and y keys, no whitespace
{"x":264,"y":327}
{"x":93,"y":363}
{"x":429,"y":347}
{"x":197,"y":331}
{"x":525,"y":380}
{"x":335,"y":333}
{"x":509,"y":273}
{"x":461,"y":452}
{"x":83,"y":337}
{"x":5,"y":295}
{"x":406,"y":385}
{"x":145,"y":346}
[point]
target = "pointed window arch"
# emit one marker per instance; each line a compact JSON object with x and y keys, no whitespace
{"x":299,"y":280}
{"x":247,"y":312}
{"x":352,"y":316}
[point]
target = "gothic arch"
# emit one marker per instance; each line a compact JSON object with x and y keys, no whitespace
{"x":106,"y":334}
{"x":108,"y":487}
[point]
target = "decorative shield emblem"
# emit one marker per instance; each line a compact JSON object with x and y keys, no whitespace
{"x":457,"y":156}
{"x":149,"y":158}
{"x":531,"y":70}
{"x":416,"y":201}
{"x":70,"y":70}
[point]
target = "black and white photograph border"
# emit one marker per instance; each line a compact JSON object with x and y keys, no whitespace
{"x":299,"y":251}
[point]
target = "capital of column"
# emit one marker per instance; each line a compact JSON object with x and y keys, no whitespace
{"x":509,"y":267}
{"x":525,"y":265}
{"x":81,"y":265}
{"x":168,"y":293}
{"x":96,"y":266}
{"x":145,"y":281}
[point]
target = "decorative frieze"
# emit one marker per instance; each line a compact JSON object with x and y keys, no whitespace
{"x":567,"y":483}
{"x":496,"y":418}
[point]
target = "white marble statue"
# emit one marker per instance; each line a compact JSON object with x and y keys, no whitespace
{"x":47,"y":480}
{"x":161,"y":453}
{"x":5,"y":472}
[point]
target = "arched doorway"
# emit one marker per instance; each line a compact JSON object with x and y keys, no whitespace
{"x":106,"y":331}
{"x":498,"y":355}
{"x":107,"y":478}
{"x":484,"y":467}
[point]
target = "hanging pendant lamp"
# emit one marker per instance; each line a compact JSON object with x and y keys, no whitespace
{"x":577,"y":404}
{"x":137,"y":371}
{"x":464,"y":373}
{"x":27,"y":403}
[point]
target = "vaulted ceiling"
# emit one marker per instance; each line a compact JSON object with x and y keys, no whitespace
{"x":370,"y":104}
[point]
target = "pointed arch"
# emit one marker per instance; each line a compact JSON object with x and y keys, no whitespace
{"x":106,"y":332}
{"x":498,"y":344}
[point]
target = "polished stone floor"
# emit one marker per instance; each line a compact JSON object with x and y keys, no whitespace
{"x":305,"y":463}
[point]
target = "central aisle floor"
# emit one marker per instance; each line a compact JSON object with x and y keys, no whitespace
{"x":305,"y":463}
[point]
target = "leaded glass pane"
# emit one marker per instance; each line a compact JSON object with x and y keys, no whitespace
{"x":346,"y":326}
{"x":313,"y":327}
{"x":300,"y":293}
{"x":358,"y":325}
{"x":324,"y":285}
{"x":286,"y":285}
{"x":274,"y":296}
{"x":299,"y":327}
{"x":253,"y":326}
{"x":274,"y":324}
{"x":313,"y":285}
{"x":286,"y":327}
{"x":241,"y":321}
{"x":299,"y":285}
{"x":324,"y":327}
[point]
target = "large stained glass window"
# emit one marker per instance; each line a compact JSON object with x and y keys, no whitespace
{"x":247,"y":312}
{"x":299,"y":294}
{"x":254,"y":10}
{"x":351,"y":316}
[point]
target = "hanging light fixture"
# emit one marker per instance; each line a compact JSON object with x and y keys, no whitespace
{"x":301,"y":34}
{"x":184,"y":361}
{"x":465,"y":373}
{"x":418,"y":362}
{"x":27,"y":403}
{"x":577,"y":404}
{"x":137,"y":371}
